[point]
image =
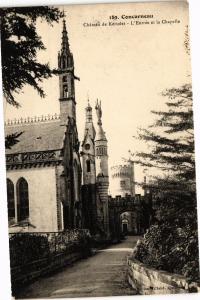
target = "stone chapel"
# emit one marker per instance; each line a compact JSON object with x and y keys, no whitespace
{"x":43,"y":168}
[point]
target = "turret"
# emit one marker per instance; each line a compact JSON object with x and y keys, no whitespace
{"x":101,"y":157}
{"x":89,"y":199}
{"x":88,"y":149}
{"x":122,"y":181}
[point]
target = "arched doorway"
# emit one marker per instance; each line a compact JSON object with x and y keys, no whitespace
{"x":126,"y":223}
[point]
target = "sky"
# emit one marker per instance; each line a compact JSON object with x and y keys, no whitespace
{"x":127,"y":67}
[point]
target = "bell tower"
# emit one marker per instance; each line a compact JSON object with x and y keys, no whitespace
{"x":66,"y":79}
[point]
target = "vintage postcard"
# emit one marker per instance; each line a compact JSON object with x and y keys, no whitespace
{"x":99,"y":139}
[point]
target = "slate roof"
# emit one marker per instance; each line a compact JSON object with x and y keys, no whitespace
{"x":38,"y":136}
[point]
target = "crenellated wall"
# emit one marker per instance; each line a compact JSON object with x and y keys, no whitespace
{"x":122,"y":180}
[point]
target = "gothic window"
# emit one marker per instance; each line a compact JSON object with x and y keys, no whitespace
{"x":10,"y":199}
{"x":68,"y":61}
{"x":65,"y":90}
{"x":64,"y":63}
{"x":22,"y":200}
{"x":88,"y":166}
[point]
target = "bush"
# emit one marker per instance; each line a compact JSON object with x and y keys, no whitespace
{"x":25,"y":248}
{"x":170,"y":248}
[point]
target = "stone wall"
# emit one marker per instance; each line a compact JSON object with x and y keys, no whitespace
{"x":149,"y":281}
{"x":42,"y":267}
{"x":35,"y":255}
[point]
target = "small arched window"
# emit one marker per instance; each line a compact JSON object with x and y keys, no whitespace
{"x":65,"y":91}
{"x":22,"y":199}
{"x":68,"y":61}
{"x":10,"y":199}
{"x":88,"y":166}
{"x":64,"y":63}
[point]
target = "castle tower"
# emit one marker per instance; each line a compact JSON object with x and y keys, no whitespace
{"x":89,"y":174}
{"x":122,"y":180}
{"x":66,"y":79}
{"x":102,"y":167}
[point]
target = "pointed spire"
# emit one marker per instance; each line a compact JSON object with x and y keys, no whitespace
{"x":88,"y":110}
{"x":65,"y":41}
{"x":100,"y":133}
{"x":89,"y":128}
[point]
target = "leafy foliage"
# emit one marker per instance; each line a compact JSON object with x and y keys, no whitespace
{"x":171,"y":136}
{"x":20,"y":44}
{"x":169,"y":248}
{"x":12,"y":139}
{"x":26,"y":248}
{"x":171,"y":242}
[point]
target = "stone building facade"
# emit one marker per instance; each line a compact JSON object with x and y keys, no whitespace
{"x":43,"y":168}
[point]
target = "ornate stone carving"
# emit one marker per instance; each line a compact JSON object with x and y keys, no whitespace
{"x":32,"y":158}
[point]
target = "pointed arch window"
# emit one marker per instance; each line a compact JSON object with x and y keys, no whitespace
{"x":10,"y":199}
{"x":88,"y":166}
{"x":68,"y":61}
{"x":64,"y":62}
{"x":22,"y":199}
{"x":65,"y":91}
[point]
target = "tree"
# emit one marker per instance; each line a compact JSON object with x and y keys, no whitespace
{"x":171,"y":150}
{"x":171,"y":137}
{"x":171,"y":242}
{"x":12,"y":139}
{"x":20,"y":44}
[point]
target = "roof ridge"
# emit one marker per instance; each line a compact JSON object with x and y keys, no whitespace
{"x":30,"y":120}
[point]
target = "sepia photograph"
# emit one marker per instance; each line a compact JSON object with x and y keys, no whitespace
{"x":99,"y":146}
